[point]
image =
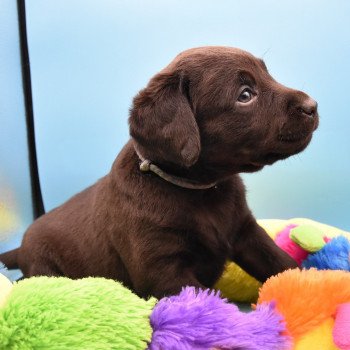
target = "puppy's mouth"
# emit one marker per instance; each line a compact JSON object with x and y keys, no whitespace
{"x":290,"y":145}
{"x":295,"y":136}
{"x":287,"y":143}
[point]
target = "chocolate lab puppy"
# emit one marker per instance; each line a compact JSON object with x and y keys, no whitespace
{"x":173,"y":209}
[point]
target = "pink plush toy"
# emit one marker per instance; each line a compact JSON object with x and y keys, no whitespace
{"x":284,"y":241}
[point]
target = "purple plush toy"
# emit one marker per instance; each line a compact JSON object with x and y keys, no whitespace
{"x":202,"y":320}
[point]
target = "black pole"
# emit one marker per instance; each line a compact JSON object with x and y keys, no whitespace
{"x":38,"y":206}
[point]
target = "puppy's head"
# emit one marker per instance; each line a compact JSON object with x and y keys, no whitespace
{"x":219,"y":108}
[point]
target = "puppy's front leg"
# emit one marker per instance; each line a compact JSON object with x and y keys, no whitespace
{"x":161,"y":276}
{"x":257,"y":253}
{"x":167,"y":284}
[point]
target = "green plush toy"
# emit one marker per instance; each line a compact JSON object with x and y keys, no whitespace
{"x":86,"y":307}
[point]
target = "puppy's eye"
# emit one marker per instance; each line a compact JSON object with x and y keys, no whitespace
{"x":245,"y":96}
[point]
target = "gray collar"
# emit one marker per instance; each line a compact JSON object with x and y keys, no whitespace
{"x":146,"y":166}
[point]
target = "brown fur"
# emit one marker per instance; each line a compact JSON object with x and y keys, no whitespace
{"x":156,"y":237}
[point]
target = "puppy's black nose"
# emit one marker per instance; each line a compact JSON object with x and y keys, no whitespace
{"x":308,"y":107}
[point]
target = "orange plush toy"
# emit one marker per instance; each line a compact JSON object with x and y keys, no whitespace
{"x":315,"y":305}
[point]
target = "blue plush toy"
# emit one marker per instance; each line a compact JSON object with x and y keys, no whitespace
{"x":335,"y":255}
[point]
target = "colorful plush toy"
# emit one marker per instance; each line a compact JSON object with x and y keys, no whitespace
{"x":300,"y":310}
{"x":310,"y":243}
{"x":94,"y":313}
{"x":315,"y":305}
{"x":297,"y":309}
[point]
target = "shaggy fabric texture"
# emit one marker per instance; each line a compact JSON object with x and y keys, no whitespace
{"x":236,"y":284}
{"x":202,"y":321}
{"x":60,"y":314}
{"x":333,"y":256}
{"x":306,"y":298}
{"x":319,"y":338}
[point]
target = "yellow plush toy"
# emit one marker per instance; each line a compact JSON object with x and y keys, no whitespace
{"x":237,"y":285}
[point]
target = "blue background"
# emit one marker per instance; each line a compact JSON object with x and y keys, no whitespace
{"x":89,"y":58}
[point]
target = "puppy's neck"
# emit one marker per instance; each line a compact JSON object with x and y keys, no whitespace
{"x":146,"y":166}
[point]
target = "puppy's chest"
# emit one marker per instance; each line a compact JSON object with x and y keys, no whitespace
{"x":213,"y":226}
{"x":213,"y":221}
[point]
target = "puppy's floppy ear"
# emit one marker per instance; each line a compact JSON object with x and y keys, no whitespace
{"x":162,"y":122}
